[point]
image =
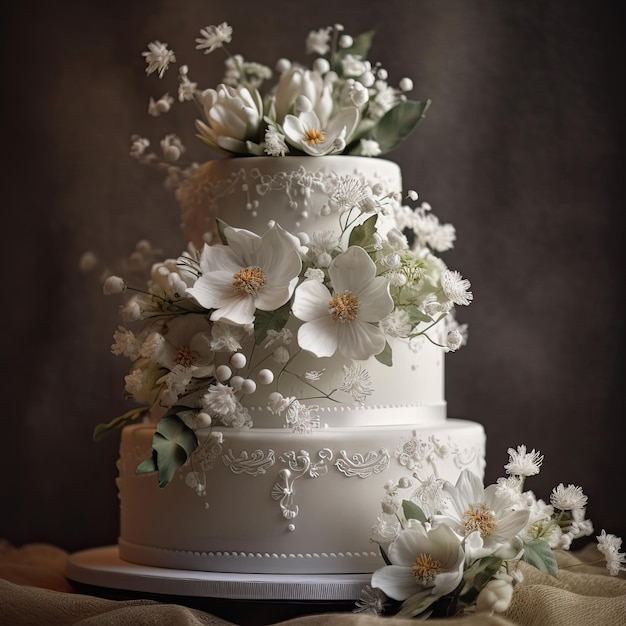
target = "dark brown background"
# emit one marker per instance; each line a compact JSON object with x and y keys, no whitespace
{"x":522,"y":151}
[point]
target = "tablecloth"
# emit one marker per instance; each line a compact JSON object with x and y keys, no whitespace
{"x":35,"y":591}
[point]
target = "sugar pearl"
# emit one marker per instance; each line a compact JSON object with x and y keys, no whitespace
{"x":223,"y":372}
{"x":236,"y":382}
{"x":238,"y":360}
{"x":248,"y":386}
{"x":266,"y":376}
{"x":203,"y":420}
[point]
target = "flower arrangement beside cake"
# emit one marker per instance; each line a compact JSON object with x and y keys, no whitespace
{"x":290,"y":362}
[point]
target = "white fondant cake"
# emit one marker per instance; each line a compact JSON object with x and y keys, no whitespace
{"x":291,"y":362}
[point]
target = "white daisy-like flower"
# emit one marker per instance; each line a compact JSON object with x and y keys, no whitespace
{"x":456,"y":287}
{"x":471,"y":507}
{"x":568,"y":498}
{"x":214,"y":37}
{"x":250,"y":273}
{"x":346,"y":320}
{"x":187,"y":343}
{"x":350,"y":192}
{"x":523,"y":463}
{"x":370,"y":601}
{"x":158,"y":58}
{"x":275,"y":143}
{"x":125,"y":343}
{"x":317,"y":41}
{"x":610,"y":546}
{"x":425,"y":565}
{"x":307,"y":133}
{"x":220,"y":400}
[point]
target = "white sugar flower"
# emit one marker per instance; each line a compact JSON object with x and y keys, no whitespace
{"x":370,"y":601}
{"x":220,"y":400}
{"x":158,"y":58}
{"x":456,"y":287}
{"x":471,"y":507}
{"x":299,"y":89}
{"x":370,"y":148}
{"x":568,"y":498}
{"x":275,"y":143}
{"x":226,"y":337}
{"x":314,"y":273}
{"x":250,"y":273}
{"x":125,"y":343}
{"x":348,"y":319}
{"x":495,"y":596}
{"x":277,"y":403}
{"x":187,"y":342}
{"x":610,"y":546}
{"x":234,"y":116}
{"x":523,"y":463}
{"x":186,"y":89}
{"x":317,"y":41}
{"x":307,"y":133}
{"x":113,"y":285}
{"x":214,"y":37}
{"x":454,"y":340}
{"x":425,"y":565}
{"x":397,"y":324}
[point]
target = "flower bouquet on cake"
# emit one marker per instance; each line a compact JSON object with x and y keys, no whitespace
{"x":227,"y":319}
{"x":455,"y":549}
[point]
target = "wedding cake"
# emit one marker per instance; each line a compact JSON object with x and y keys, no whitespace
{"x":289,"y":364}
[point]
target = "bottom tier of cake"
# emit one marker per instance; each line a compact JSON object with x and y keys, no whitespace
{"x":273,"y":501}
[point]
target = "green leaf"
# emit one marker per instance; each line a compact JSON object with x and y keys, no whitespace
{"x":221,"y":227}
{"x":397,"y":123}
{"x":412,"y":511}
{"x":119,"y":422}
{"x":270,"y":320}
{"x":480,"y":572}
{"x":172,"y":445}
{"x":149,"y":465}
{"x":363,"y":234}
{"x":385,"y":357}
{"x":539,"y":554}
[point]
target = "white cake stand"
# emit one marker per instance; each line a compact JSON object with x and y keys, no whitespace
{"x":103,"y":567}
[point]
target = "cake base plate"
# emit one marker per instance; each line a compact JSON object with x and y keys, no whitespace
{"x":103,"y":568}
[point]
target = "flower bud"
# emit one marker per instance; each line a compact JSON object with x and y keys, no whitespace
{"x":495,"y":596}
{"x":113,"y":285}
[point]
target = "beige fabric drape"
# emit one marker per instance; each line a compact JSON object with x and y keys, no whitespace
{"x":34,"y":590}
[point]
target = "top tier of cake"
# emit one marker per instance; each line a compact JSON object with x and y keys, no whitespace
{"x":302,"y":194}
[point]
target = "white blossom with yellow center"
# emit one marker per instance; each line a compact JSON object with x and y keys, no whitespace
{"x":307,"y":133}
{"x":249,"y":273}
{"x":488,"y":515}
{"x":346,"y":320}
{"x":425,"y":565}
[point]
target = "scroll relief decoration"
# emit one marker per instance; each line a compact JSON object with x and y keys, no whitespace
{"x":298,"y":464}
